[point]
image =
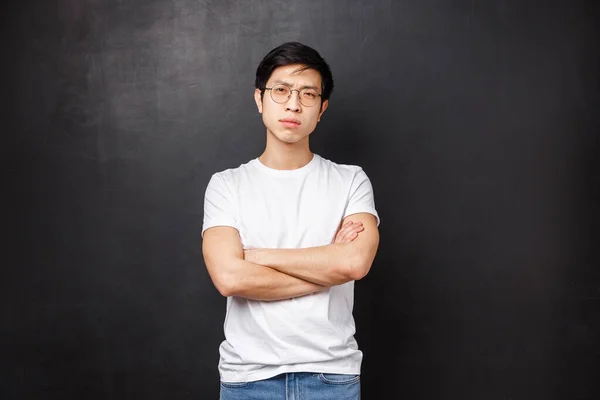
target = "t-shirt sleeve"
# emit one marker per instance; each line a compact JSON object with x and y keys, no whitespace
{"x":219,"y":205}
{"x":361,"y":199}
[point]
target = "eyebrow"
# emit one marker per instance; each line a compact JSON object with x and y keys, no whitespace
{"x":292,"y":85}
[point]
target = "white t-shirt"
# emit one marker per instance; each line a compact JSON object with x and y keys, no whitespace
{"x":288,"y":209}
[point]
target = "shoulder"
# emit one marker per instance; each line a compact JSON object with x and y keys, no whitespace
{"x":332,"y":165}
{"x":230,"y":175}
{"x":228,"y":179}
{"x":346,"y":170}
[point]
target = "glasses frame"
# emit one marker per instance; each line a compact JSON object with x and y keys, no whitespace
{"x":290,"y":95}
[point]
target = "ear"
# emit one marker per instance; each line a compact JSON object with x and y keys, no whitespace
{"x":323,"y":108}
{"x":258,"y":100}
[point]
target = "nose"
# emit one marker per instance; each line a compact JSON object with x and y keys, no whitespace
{"x":293,"y":103}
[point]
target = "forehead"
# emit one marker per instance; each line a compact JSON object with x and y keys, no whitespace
{"x":297,"y":75}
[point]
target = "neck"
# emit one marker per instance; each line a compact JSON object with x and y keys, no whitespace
{"x":286,"y":156}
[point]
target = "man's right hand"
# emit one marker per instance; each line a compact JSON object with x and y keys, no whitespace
{"x":348,"y":232}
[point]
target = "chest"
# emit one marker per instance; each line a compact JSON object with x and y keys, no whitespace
{"x":290,"y":213}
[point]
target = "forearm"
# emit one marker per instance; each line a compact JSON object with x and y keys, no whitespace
{"x":324,"y":265}
{"x":259,"y":282}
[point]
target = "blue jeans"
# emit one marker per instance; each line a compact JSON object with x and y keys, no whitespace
{"x":295,"y":386}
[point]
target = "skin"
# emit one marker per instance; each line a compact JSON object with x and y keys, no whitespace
{"x":329,"y":265}
{"x":288,"y":148}
{"x":277,"y":274}
{"x":233,"y":275}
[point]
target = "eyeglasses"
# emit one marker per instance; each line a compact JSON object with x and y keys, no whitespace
{"x":281,"y":93}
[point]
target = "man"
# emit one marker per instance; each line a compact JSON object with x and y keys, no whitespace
{"x":284,"y":238}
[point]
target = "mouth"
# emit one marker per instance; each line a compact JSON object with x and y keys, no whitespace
{"x":290,"y":122}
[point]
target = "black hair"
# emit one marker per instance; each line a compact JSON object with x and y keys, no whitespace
{"x":294,"y":53}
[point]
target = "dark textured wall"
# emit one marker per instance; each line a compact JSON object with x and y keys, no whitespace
{"x":476,"y":122}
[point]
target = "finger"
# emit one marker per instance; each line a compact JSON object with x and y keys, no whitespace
{"x":341,"y":237}
{"x":345,"y":234}
{"x":343,"y":228}
{"x":350,"y":223}
{"x":359,"y":229}
{"x":351,"y":228}
{"x":349,"y":236}
{"x":352,"y":233}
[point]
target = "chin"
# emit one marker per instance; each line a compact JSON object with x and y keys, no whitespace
{"x":294,"y":138}
{"x":290,"y":138}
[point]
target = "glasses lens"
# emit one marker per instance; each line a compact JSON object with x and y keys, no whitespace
{"x":309,"y":97}
{"x":280,"y":93}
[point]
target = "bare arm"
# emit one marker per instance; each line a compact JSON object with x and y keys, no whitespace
{"x":328,"y":265}
{"x":234,"y":276}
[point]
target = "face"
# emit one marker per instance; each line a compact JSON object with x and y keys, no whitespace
{"x":291,"y":122}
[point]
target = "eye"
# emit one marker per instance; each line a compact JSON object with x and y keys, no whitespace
{"x":280,"y":89}
{"x":310,"y":95}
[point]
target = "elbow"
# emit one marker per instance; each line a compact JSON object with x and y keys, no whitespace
{"x":223,"y":282}
{"x":358,"y":270}
{"x":361,"y":259}
{"x":223,"y":288}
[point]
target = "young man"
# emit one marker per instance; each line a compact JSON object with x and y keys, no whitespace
{"x":284,"y":238}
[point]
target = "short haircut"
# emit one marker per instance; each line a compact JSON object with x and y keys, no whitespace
{"x":294,"y":53}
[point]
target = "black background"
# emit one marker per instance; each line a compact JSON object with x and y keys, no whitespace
{"x":476,"y":122}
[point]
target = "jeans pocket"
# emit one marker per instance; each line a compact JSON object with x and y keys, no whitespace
{"x":234,"y":385}
{"x":339,"y":379}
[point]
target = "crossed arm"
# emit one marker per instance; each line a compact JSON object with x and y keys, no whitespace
{"x":275,"y":274}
